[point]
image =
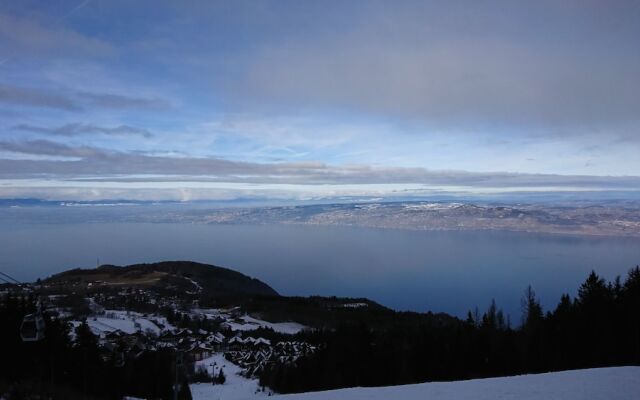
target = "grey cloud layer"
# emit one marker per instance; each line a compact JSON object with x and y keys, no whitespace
{"x":115,"y":101}
{"x":35,"y":97}
{"x":76,"y":129}
{"x":91,"y":164}
{"x":30,"y":37}
{"x":562,"y":66}
{"x":75,"y":101}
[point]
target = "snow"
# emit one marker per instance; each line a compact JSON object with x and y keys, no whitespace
{"x":619,"y":383}
{"x":250,"y":323}
{"x":354,"y":305}
{"x":127,"y":322}
{"x":102,"y":325}
{"x":432,"y":206}
{"x":236,"y":387}
{"x":246,"y":322}
{"x":194,"y":283}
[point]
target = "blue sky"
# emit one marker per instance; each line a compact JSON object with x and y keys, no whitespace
{"x":302,"y":100}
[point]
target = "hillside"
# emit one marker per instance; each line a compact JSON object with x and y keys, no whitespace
{"x":622,"y":383}
{"x":190,"y":277}
{"x":183,"y":282}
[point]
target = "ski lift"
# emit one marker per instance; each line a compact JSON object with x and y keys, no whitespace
{"x":32,"y":328}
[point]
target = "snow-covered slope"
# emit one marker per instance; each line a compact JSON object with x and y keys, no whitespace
{"x":249,"y":323}
{"x":127,"y":322}
{"x":246,"y":322}
{"x":236,"y":387}
{"x":622,"y":383}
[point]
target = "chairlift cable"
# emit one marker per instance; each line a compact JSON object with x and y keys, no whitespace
{"x":10,"y":277}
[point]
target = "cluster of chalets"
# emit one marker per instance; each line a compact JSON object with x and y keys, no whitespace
{"x":254,"y":355}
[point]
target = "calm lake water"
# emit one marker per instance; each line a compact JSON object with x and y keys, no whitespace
{"x":406,"y":270}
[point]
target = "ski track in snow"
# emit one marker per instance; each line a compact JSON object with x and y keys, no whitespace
{"x":194,"y":283}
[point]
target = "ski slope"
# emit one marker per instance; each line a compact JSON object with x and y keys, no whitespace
{"x":247,"y":322}
{"x":236,"y":386}
{"x":250,"y":323}
{"x":620,"y":383}
{"x":126,"y":322}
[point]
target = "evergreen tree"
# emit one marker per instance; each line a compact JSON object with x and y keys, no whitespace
{"x":221,"y":378}
{"x":595,"y":319}
{"x":533,"y":319}
{"x":630,"y":304}
{"x":185,"y":391}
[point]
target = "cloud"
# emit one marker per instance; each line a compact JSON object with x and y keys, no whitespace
{"x":48,"y":148}
{"x":118,"y":101}
{"x":76,"y":129}
{"x":286,"y":131}
{"x":32,"y":37}
{"x":560,"y":67}
{"x":35,"y":97}
{"x":70,"y":100}
{"x":99,"y":165}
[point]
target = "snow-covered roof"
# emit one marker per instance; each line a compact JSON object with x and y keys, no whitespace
{"x":262,"y":341}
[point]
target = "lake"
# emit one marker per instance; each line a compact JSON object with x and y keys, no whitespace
{"x":405,"y":270}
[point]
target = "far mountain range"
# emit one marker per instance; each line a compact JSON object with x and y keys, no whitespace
{"x":608,"y":218}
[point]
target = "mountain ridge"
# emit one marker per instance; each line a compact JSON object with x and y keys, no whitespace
{"x":209,"y":280}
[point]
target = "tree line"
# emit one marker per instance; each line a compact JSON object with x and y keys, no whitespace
{"x":599,"y":327}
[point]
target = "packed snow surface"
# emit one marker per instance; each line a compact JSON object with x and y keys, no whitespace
{"x":249,"y":323}
{"x":236,"y":386}
{"x":620,"y":383}
{"x":127,"y":322}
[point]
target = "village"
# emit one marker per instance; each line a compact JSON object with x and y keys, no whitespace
{"x":203,"y":340}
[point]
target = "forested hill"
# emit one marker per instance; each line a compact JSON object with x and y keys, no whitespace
{"x":208,"y":280}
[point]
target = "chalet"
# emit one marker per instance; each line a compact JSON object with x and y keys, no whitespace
{"x":216,"y":341}
{"x":167,"y":338}
{"x":236,"y":343}
{"x":200,"y":352}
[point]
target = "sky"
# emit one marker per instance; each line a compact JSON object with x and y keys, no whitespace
{"x":211,"y":100}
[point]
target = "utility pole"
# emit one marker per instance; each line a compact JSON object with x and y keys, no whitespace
{"x":176,"y":388}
